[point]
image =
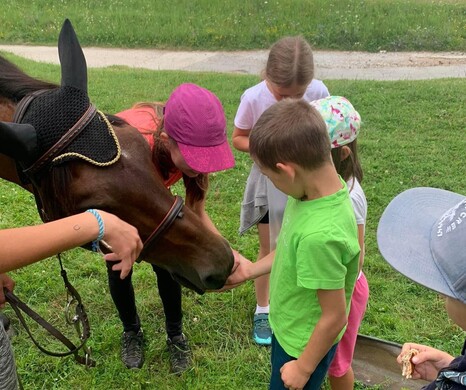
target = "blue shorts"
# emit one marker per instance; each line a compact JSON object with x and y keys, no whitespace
{"x":280,"y":357}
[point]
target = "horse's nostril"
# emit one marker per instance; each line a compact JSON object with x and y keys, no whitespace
{"x":214,"y":282}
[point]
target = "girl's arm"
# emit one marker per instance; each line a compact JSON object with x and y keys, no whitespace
{"x":240,"y":139}
{"x":361,"y":230}
{"x":296,"y":373}
{"x":241,"y":270}
{"x":22,"y":246}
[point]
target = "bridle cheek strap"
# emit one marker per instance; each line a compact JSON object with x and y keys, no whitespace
{"x":167,"y":221}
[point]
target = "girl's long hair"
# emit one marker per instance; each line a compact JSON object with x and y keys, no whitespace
{"x":290,"y":62}
{"x":350,"y":166}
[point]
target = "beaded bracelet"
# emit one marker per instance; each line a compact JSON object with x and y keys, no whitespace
{"x":100,"y":222}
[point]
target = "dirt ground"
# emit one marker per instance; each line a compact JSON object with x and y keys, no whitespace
{"x":329,"y":64}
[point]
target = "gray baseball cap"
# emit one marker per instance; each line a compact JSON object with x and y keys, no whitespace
{"x":422,"y":234}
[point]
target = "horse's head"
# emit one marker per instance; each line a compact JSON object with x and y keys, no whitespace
{"x":77,"y":160}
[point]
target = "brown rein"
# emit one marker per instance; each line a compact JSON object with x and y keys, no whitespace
{"x":78,"y":319}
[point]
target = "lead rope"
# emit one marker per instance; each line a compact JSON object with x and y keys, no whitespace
{"x":78,"y":319}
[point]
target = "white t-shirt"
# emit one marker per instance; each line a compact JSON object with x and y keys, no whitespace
{"x":257,"y":99}
{"x":254,"y":102}
{"x":358,"y":198}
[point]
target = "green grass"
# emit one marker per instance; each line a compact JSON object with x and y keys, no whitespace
{"x":412,"y":135}
{"x":370,"y":25}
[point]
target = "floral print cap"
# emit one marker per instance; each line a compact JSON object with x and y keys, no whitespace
{"x":343,"y":121}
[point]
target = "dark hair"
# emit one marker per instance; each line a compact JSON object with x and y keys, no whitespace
{"x":290,"y":62}
{"x":290,"y":131}
{"x":350,"y":166}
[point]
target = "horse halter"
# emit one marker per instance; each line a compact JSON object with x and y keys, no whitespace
{"x":174,"y":212}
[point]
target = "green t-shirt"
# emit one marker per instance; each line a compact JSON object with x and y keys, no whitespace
{"x":317,"y":248}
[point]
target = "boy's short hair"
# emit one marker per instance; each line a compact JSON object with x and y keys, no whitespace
{"x":290,"y":131}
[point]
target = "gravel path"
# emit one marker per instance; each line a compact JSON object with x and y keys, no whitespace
{"x":329,"y":64}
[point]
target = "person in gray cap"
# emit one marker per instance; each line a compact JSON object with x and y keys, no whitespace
{"x":422,"y":234}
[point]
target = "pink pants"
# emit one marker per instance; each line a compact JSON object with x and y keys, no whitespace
{"x":345,"y":349}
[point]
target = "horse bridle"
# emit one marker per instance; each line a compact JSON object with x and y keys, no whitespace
{"x":174,"y":212}
{"x":79,"y":319}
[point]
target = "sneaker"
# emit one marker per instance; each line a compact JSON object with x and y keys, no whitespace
{"x":180,"y":354}
{"x":132,"y":350}
{"x":262,"y":334}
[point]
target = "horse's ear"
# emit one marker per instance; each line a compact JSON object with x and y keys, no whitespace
{"x":72,"y":60}
{"x":19,"y":141}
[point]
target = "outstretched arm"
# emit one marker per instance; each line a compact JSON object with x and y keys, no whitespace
{"x":22,"y":246}
{"x":245,"y":270}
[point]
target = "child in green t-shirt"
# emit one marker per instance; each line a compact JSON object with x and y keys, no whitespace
{"x":317,"y":254}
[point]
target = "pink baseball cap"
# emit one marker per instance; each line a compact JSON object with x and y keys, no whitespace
{"x":194,"y":118}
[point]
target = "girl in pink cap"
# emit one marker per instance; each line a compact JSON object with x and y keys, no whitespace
{"x":188,"y":139}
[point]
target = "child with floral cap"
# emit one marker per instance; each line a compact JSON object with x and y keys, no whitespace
{"x":343,"y":124}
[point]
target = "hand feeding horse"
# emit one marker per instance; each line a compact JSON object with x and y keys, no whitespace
{"x":74,"y":158}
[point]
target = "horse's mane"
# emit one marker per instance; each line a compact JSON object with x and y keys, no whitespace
{"x":55,"y":186}
{"x":15,"y":84}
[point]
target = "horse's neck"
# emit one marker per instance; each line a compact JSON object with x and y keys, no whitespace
{"x":7,"y":109}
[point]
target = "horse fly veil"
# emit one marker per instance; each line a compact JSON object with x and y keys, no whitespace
{"x":67,"y":126}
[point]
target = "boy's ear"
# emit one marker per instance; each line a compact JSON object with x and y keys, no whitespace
{"x":345,"y":152}
{"x":287,"y":169}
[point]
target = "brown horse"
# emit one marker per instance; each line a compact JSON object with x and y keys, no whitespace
{"x":65,"y":180}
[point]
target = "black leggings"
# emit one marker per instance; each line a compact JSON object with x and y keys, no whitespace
{"x":123,"y":296}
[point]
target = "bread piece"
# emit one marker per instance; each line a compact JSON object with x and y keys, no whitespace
{"x":407,"y":366}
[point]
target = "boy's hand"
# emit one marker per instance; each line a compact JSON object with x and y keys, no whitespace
{"x":239,"y":274}
{"x":293,"y":376}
